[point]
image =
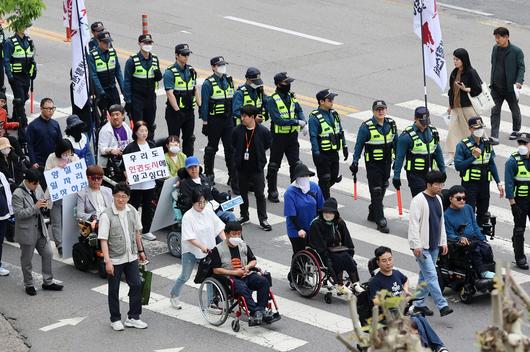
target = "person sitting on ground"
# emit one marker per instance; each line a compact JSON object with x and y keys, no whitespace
{"x":234,"y":258}
{"x":175,"y":158}
{"x":93,"y":200}
{"x":329,"y":236}
{"x":191,"y":179}
{"x":14,"y":143}
{"x":397,"y":285}
{"x":461,"y":226}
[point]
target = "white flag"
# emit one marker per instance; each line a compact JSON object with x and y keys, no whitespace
{"x":80,"y":34}
{"x":433,"y":46}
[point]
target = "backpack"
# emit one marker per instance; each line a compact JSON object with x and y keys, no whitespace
{"x":83,"y":256}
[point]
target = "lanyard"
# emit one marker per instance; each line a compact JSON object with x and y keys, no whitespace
{"x":248,"y":142}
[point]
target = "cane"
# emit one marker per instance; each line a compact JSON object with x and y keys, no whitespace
{"x":400,"y":204}
{"x":355,"y":187}
{"x":31,"y":97}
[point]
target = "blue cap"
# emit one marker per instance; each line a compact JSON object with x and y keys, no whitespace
{"x":192,"y":161}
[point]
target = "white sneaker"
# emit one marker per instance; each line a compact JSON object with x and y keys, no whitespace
{"x":175,"y":302}
{"x":135,"y":323}
{"x":3,"y":271}
{"x":357,"y":288}
{"x":117,"y":325}
{"x":148,"y":236}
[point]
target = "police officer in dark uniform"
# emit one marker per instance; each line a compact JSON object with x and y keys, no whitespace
{"x":378,"y":137}
{"x":95,"y":28}
{"x":250,"y":93}
{"x":327,"y":139}
{"x":420,"y":145}
{"x":105,"y":70}
{"x":517,"y":178}
{"x":180,"y":82}
{"x":216,"y":113}
{"x":287,"y":118}
{"x":142,"y":72}
{"x":475,"y":160}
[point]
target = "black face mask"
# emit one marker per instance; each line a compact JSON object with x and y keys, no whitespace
{"x":76,"y":133}
{"x":425,"y":122}
{"x":284,"y":88}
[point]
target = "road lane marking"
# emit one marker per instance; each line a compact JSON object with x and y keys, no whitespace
{"x":463,"y":9}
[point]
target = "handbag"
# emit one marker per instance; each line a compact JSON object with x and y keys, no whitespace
{"x":146,"y":277}
{"x":204,"y":270}
{"x":483,"y":102}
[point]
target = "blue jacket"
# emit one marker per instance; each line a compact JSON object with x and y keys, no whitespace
{"x":8,"y":53}
{"x":274,"y":114}
{"x":128,"y":75}
{"x":363,"y":136}
{"x":404,"y":144}
{"x":464,"y":158}
{"x":42,"y":135}
{"x":206,"y":93}
{"x":510,"y":170}
{"x":465,"y":216}
{"x":93,"y":73}
{"x":314,"y":129}
{"x":304,"y":207}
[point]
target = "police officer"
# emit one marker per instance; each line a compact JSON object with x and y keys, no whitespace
{"x":420,"y":144}
{"x":327,"y":139}
{"x":95,"y":28}
{"x":20,"y":69}
{"x":216,"y":113}
{"x":287,"y":118}
{"x":378,"y":137}
{"x":2,"y":39}
{"x":180,"y":82}
{"x":475,"y":160}
{"x":105,"y":71}
{"x":250,"y":93}
{"x":517,"y":178}
{"x":142,"y":72}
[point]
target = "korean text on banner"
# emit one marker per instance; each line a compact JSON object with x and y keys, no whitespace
{"x":68,"y":180}
{"x":427,"y":27}
{"x":145,"y":166}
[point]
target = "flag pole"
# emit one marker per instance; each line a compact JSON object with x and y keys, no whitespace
{"x":423,"y":53}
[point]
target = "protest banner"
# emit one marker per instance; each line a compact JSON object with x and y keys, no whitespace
{"x":65,"y":181}
{"x":145,"y":166}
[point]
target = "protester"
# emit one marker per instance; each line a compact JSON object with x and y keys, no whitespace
{"x":120,"y":231}
{"x":74,"y":133}
{"x":200,"y":227}
{"x":6,"y":211}
{"x":31,"y":231}
{"x":426,"y":234}
{"x":142,"y":194}
{"x":10,"y":164}
{"x":93,"y":200}
{"x":175,"y":158}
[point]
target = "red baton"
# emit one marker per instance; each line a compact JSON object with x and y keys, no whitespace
{"x":400,"y":204}
{"x":355,"y":187}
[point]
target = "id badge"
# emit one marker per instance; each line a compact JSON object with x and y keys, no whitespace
{"x":246,"y":156}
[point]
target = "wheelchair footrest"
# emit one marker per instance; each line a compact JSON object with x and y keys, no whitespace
{"x":275,"y":317}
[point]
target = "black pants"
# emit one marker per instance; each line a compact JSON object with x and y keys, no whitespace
{"x":478,"y":196}
{"x":111,"y":97}
{"x":481,"y":255}
{"x":257,"y":179}
{"x":519,"y":228}
{"x":185,"y":121}
{"x":219,"y":128}
{"x":20,"y":85}
{"x":2,"y":75}
{"x":499,"y":97}
{"x":298,"y":243}
{"x":144,"y":109}
{"x":340,"y":262}
{"x":144,"y":198}
{"x":417,"y":183}
{"x":377,"y":174}
{"x":328,"y":167}
{"x":132,"y":276}
{"x":282,"y":144}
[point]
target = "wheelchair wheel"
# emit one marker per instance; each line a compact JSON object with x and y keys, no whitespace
{"x":213,"y":301}
{"x":235,"y":325}
{"x":465,"y":295}
{"x":306,"y":274}
{"x":174,"y":244}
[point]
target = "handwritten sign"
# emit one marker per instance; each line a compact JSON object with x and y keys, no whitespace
{"x":65,"y":181}
{"x":145,"y":166}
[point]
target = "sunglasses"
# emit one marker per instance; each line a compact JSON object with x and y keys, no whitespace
{"x":95,"y":178}
{"x":459,"y":198}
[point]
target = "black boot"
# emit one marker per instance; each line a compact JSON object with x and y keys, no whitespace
{"x":272,"y":180}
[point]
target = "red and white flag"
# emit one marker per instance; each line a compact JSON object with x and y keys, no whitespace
{"x":427,"y":27}
{"x":67,"y":13}
{"x":80,"y":38}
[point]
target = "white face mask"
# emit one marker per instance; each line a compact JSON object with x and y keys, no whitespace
{"x":234,"y":241}
{"x":6,"y":151}
{"x":522,"y":150}
{"x":221,"y":69}
{"x":328,"y":216}
{"x":303,"y":183}
{"x":255,"y":86}
{"x":147,"y":48}
{"x":174,"y":149}
{"x":478,"y":133}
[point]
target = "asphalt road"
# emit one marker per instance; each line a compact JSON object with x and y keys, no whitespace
{"x":378,"y":58}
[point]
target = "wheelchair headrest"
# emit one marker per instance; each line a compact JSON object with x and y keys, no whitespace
{"x":373,"y":268}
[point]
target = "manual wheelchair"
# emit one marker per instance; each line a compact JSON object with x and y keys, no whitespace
{"x":218,"y":300}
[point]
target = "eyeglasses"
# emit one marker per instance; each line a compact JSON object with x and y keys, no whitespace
{"x":95,"y":178}
{"x":121,"y":196}
{"x":51,"y":109}
{"x":459,"y":198}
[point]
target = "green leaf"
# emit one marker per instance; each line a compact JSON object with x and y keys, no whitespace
{"x":21,"y":14}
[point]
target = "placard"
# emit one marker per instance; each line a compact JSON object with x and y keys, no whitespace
{"x":65,"y":181}
{"x":232,"y":203}
{"x":145,"y":166}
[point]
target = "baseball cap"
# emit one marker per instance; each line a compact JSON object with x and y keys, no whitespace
{"x":254,"y":75}
{"x":326,"y":94}
{"x":524,"y":137}
{"x":475,"y":121}
{"x":421,"y":112}
{"x":104,"y":36}
{"x":145,"y":38}
{"x":182,"y":49}
{"x":282,"y":77}
{"x":378,"y":104}
{"x":97,"y":26}
{"x":192,"y":161}
{"x":217,"y":61}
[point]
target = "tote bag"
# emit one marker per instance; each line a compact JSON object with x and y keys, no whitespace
{"x":483,"y":102}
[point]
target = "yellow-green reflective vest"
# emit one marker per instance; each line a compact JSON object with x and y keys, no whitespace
{"x":184,"y":91}
{"x":420,"y":152}
{"x":144,"y":79}
{"x":330,"y":137}
{"x":105,"y":69}
{"x":221,"y":99}
{"x":285,"y":113}
{"x":22,"y":59}
{"x":480,"y":166}
{"x":380,"y":147}
{"x":247,"y":100}
{"x":522,"y":177}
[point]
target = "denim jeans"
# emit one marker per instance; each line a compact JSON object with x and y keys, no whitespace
{"x":253,"y":282}
{"x":429,"y":279}
{"x":187,"y":261}
{"x":132,"y":277}
{"x":226,"y":216}
{"x":427,"y":334}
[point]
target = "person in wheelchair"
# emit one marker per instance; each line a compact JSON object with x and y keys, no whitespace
{"x":397,"y":284}
{"x":329,"y":236}
{"x":462,"y":229}
{"x":93,"y":200}
{"x":190,"y":178}
{"x":234,"y":258}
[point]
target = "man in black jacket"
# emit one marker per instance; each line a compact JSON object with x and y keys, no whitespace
{"x":250,"y":141}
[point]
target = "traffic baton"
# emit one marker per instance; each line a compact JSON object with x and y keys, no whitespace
{"x":31,"y":98}
{"x":144,"y":24}
{"x":400,"y":204}
{"x":355,"y":187}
